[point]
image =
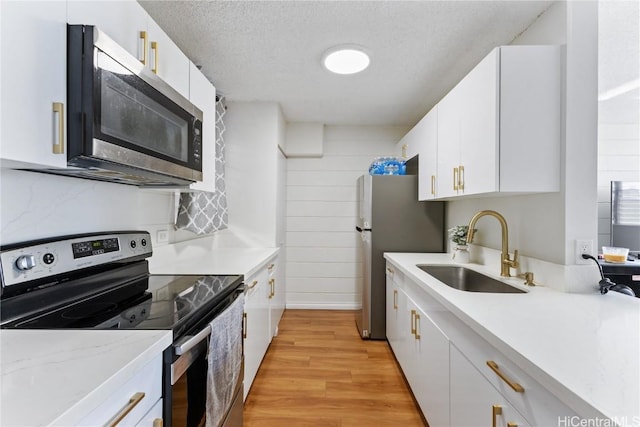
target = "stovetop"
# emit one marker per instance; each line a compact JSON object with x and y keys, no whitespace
{"x":102,"y":281}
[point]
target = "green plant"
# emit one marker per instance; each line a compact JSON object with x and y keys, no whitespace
{"x":458,"y":234}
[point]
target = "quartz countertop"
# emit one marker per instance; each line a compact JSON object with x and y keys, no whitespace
{"x":56,"y":377}
{"x":583,"y":348}
{"x":198,"y":257}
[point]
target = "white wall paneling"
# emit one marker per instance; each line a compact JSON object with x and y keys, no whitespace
{"x":324,"y":262}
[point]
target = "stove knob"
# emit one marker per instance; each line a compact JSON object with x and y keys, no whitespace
{"x":25,"y":262}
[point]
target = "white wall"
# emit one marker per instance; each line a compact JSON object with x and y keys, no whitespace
{"x":618,"y":116}
{"x":545,"y":226}
{"x":323,"y":257}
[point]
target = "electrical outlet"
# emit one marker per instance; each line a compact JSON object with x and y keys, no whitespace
{"x":584,"y":247}
{"x":162,"y":236}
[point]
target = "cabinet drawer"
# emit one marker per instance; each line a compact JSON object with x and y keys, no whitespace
{"x":395,"y":275}
{"x":147,"y":380}
{"x":533,"y":401}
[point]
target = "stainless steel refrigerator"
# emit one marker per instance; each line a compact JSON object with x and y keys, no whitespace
{"x":391,"y":219}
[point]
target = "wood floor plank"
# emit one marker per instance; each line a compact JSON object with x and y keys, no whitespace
{"x":318,"y":372}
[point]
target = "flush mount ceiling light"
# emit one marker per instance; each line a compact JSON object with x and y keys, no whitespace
{"x":346,"y":59}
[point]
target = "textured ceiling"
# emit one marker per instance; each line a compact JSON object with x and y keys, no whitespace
{"x":271,"y":51}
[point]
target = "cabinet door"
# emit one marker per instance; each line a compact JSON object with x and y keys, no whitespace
{"x":392,"y":312}
{"x":429,"y":367}
{"x":256,"y":327}
{"x":33,"y":79}
{"x":448,"y":144}
{"x":203,"y":95}
{"x":474,"y":401}
{"x":123,"y":21}
{"x":428,"y":156}
{"x":276,"y":296}
{"x":167,"y":60}
{"x":479,"y":137}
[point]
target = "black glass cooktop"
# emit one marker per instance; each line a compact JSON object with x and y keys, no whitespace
{"x":171,"y":302}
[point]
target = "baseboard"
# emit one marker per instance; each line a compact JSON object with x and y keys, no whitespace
{"x":316,"y":306}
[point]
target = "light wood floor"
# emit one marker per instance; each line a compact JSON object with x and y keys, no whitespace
{"x":318,"y":372}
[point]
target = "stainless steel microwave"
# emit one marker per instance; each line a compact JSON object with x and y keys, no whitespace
{"x":125,"y":124}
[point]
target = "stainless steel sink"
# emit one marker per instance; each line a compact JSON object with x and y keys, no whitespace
{"x":468,"y":280}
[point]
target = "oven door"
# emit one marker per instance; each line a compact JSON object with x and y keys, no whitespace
{"x":186,"y":381}
{"x":120,"y":112}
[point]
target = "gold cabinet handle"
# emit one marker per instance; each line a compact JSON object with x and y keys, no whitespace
{"x":390,"y":270}
{"x":244,"y":325}
{"x":455,"y":179}
{"x":404,"y":151}
{"x":433,"y":185}
{"x":159,"y":423}
{"x":145,"y":51}
{"x":395,"y":299}
{"x":461,"y":178}
{"x":512,"y":424}
{"x":252,"y":285}
{"x":417,"y":332}
{"x":413,"y":322}
{"x":272,"y":290}
{"x":58,"y":146}
{"x":514,"y":385}
{"x":495,"y":411}
{"x":154,"y":48}
{"x":271,"y":267}
{"x":133,"y":402}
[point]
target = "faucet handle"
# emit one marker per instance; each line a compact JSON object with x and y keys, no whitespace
{"x":513,"y":263}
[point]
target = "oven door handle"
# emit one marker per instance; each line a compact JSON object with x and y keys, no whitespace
{"x":187,"y":343}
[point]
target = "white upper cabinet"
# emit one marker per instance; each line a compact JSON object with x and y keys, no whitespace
{"x":123,"y":21}
{"x":34,"y":40}
{"x":129,"y":25}
{"x":167,"y":60}
{"x":428,"y":156}
{"x":203,"y":95}
{"x":499,"y":128}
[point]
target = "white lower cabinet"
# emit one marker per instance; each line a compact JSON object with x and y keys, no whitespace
{"x":256,"y":326}
{"x":422,"y":350}
{"x":133,"y":400}
{"x":474,"y":401}
{"x":456,"y":376}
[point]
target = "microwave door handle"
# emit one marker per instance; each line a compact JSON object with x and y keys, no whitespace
{"x":188,"y":343}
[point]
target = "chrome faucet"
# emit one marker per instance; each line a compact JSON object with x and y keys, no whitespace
{"x":505,"y":261}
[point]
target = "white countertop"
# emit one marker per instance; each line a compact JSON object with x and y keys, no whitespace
{"x":57,"y":377}
{"x":584,"y":348}
{"x":198,"y":257}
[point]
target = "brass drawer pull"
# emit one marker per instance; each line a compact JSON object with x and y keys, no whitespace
{"x":271,"y":267}
{"x":417,"y":333}
{"x":413,"y":322}
{"x":512,"y":424}
{"x":514,"y":385}
{"x":395,"y":299}
{"x":456,"y":180}
{"x":154,"y":48}
{"x":390,"y":270}
{"x":252,"y":285}
{"x":272,"y":290}
{"x":244,"y":325}
{"x":495,"y":411}
{"x":145,"y":51}
{"x":58,"y":146}
{"x":133,"y":402}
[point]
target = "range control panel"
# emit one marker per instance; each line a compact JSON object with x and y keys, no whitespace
{"x":36,"y":260}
